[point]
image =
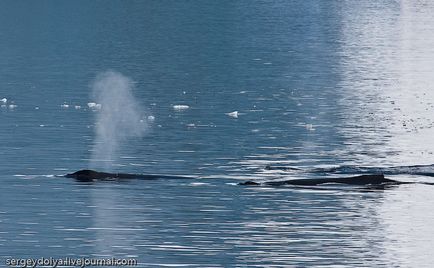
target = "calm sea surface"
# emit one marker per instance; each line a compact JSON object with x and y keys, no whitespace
{"x":315,"y":83}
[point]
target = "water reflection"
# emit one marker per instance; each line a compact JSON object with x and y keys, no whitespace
{"x":405,"y":215}
{"x":219,"y":224}
{"x":386,"y":82}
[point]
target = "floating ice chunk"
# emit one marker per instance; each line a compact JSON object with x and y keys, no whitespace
{"x":4,"y":100}
{"x":77,"y":107}
{"x":36,"y":108}
{"x":12,"y":106}
{"x":180,"y":107}
{"x":233,"y":114}
{"x":151,"y":118}
{"x":91,"y":104}
{"x":310,"y":127}
{"x":95,"y":106}
{"x":66,"y":106}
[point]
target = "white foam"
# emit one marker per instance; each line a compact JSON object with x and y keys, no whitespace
{"x":233,"y":114}
{"x":180,"y":107}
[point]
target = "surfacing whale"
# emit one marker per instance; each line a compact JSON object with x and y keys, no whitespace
{"x":361,"y":180}
{"x":377,"y":181}
{"x":87,"y":175}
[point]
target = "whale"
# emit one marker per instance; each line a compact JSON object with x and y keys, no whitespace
{"x":360,"y":180}
{"x":88,"y":175}
{"x":375,"y":181}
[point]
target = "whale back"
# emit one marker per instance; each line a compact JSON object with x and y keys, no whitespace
{"x":375,"y":179}
{"x":88,"y":175}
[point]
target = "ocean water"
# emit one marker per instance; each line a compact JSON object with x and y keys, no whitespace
{"x":314,"y":84}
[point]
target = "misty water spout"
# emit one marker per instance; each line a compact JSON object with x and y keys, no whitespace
{"x":117,"y":120}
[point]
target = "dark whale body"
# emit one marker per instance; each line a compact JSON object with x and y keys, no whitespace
{"x":87,"y":175}
{"x":362,"y":180}
{"x":377,"y":181}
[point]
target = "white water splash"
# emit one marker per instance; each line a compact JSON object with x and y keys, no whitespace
{"x":117,"y":120}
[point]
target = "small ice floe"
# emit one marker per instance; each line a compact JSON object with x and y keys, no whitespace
{"x":180,"y":107}
{"x":36,"y":108}
{"x":65,"y":106}
{"x":309,"y":127}
{"x":12,"y":106}
{"x":199,"y":184}
{"x":233,"y":114}
{"x":94,"y":106}
{"x":91,"y":104}
{"x":151,"y":118}
{"x":4,"y":100}
{"x":77,"y":107}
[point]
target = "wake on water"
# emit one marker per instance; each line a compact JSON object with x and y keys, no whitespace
{"x":420,"y":170}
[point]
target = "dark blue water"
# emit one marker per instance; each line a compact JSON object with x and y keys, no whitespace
{"x":315,"y":83}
